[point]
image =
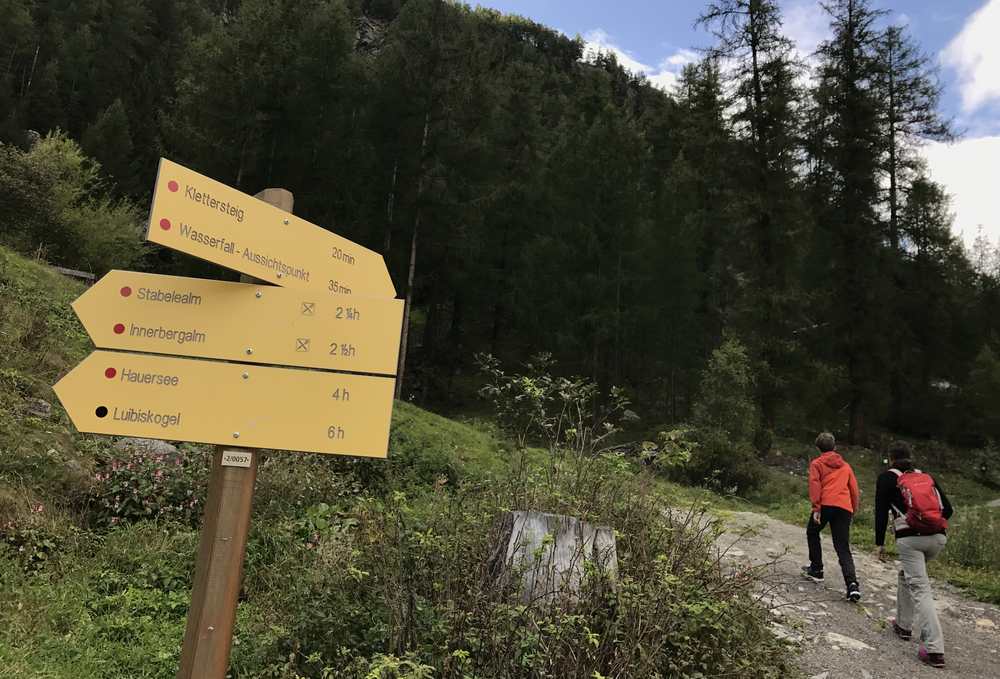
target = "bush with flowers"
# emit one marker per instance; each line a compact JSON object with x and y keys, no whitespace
{"x":136,"y":485}
{"x":30,"y":537}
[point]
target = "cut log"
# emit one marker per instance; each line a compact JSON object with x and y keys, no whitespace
{"x":548,"y":552}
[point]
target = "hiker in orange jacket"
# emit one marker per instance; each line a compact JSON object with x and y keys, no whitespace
{"x":833,"y":490}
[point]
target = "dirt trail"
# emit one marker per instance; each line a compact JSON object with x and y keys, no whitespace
{"x":842,"y":640}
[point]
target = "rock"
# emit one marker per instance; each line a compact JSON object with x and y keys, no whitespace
{"x":994,"y":503}
{"x":840,"y":640}
{"x":736,"y":553}
{"x":76,"y":473}
{"x":985,"y":623}
{"x":785,"y":634}
{"x":865,"y":674}
{"x":36,"y":407}
{"x":822,"y":675}
{"x":146,"y":446}
{"x":549,"y":552}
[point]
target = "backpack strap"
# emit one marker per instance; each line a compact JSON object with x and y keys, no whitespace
{"x":892,"y":509}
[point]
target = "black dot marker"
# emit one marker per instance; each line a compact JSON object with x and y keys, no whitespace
{"x":101,"y":411}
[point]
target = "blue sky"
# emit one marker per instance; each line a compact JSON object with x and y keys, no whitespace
{"x":658,"y":37}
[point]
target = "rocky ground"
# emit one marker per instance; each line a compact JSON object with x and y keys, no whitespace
{"x":839,"y":639}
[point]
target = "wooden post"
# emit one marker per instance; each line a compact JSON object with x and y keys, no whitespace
{"x":218,"y":573}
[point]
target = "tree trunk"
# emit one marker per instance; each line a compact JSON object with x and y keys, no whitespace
{"x":390,"y":205}
{"x":401,"y":373}
{"x":498,"y":308}
{"x":857,"y":434}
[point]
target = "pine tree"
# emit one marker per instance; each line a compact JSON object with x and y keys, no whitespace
{"x":109,"y":141}
{"x":909,"y":91}
{"x":769,"y":214}
{"x":846,"y":144}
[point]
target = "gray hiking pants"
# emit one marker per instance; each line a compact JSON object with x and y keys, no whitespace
{"x":914,"y":594}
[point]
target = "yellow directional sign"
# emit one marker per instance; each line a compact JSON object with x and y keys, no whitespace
{"x":241,"y":322}
{"x":207,"y":219}
{"x":183,"y":399}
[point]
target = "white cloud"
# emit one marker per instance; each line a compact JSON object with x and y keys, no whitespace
{"x":968,"y":170}
{"x":806,"y":24}
{"x":598,"y":41}
{"x":664,"y":75}
{"x":975,"y":56}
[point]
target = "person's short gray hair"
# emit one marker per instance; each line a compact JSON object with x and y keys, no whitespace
{"x":825,"y":442}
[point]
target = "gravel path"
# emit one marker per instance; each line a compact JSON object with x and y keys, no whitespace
{"x":842,"y":640}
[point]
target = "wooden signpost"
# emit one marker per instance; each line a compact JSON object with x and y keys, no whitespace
{"x":202,"y":217}
{"x":240,"y":322}
{"x":180,"y":399}
{"x":335,"y":311}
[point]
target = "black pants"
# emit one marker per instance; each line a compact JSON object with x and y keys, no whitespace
{"x":840,"y":528}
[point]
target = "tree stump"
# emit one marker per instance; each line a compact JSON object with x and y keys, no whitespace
{"x":549,"y":553}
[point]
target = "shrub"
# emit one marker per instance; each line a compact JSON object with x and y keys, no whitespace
{"x":410,"y":588}
{"x":563,"y":413}
{"x":55,"y":204}
{"x":672,"y":451}
{"x":29,"y":533}
{"x":724,"y":465}
{"x":974,"y":538}
{"x":725,"y":417}
{"x":725,"y":402}
{"x":140,"y":485}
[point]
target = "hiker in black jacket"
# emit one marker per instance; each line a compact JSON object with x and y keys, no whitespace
{"x":916,"y":546}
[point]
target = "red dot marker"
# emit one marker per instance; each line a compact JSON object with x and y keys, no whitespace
{"x":119,"y":328}
{"x":172,"y":185}
{"x":165,"y":224}
{"x":110,"y":373}
{"x":126,"y":291}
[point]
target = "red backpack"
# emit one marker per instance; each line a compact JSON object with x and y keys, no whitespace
{"x":924,"y":509}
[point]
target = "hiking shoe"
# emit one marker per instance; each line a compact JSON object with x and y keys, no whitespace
{"x":903,"y":634}
{"x":932,"y":659}
{"x":808,"y":572}
{"x":854,"y":592}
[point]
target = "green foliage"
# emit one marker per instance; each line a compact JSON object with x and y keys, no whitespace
{"x":137,"y":485}
{"x":974,"y":538}
{"x":55,"y":206}
{"x":982,"y":395}
{"x":31,"y":534}
{"x":673,"y":450}
{"x":725,"y":418}
{"x":563,"y":413}
{"x":116,"y":610}
{"x":109,"y":141}
{"x":725,"y":404}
